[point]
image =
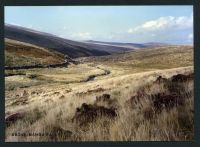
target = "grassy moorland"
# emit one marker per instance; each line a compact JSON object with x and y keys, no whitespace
{"x":147,"y":95}
{"x":20,"y":54}
{"x":146,"y":59}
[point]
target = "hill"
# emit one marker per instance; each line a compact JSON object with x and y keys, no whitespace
{"x":129,"y":45}
{"x":145,"y":59}
{"x":68,"y":47}
{"x":19,"y":53}
{"x":119,"y":97}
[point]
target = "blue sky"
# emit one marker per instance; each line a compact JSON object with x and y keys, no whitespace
{"x":137,"y":24}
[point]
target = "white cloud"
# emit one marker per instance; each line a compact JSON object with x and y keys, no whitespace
{"x":169,"y":29}
{"x":62,"y":36}
{"x":130,"y":30}
{"x":82,"y":35}
{"x":190,"y":36}
{"x":163,"y":23}
{"x":30,"y":26}
{"x":16,"y":24}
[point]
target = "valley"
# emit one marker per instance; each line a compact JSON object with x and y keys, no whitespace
{"x":126,"y":94}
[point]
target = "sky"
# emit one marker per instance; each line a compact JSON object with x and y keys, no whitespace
{"x":127,"y":24}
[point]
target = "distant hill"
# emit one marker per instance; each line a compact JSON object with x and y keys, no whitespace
{"x":129,"y":45}
{"x":68,"y":47}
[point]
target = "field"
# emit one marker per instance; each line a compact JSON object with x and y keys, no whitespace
{"x":140,"y":95}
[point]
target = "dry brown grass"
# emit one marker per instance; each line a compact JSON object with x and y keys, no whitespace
{"x":132,"y":123}
{"x":51,"y":105}
{"x":145,"y":59}
{"x":19,"y":53}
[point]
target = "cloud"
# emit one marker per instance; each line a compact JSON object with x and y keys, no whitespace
{"x":15,"y":24}
{"x":81,"y":35}
{"x":30,"y":26}
{"x":190,"y":36}
{"x":168,"y":29}
{"x":164,"y":23}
